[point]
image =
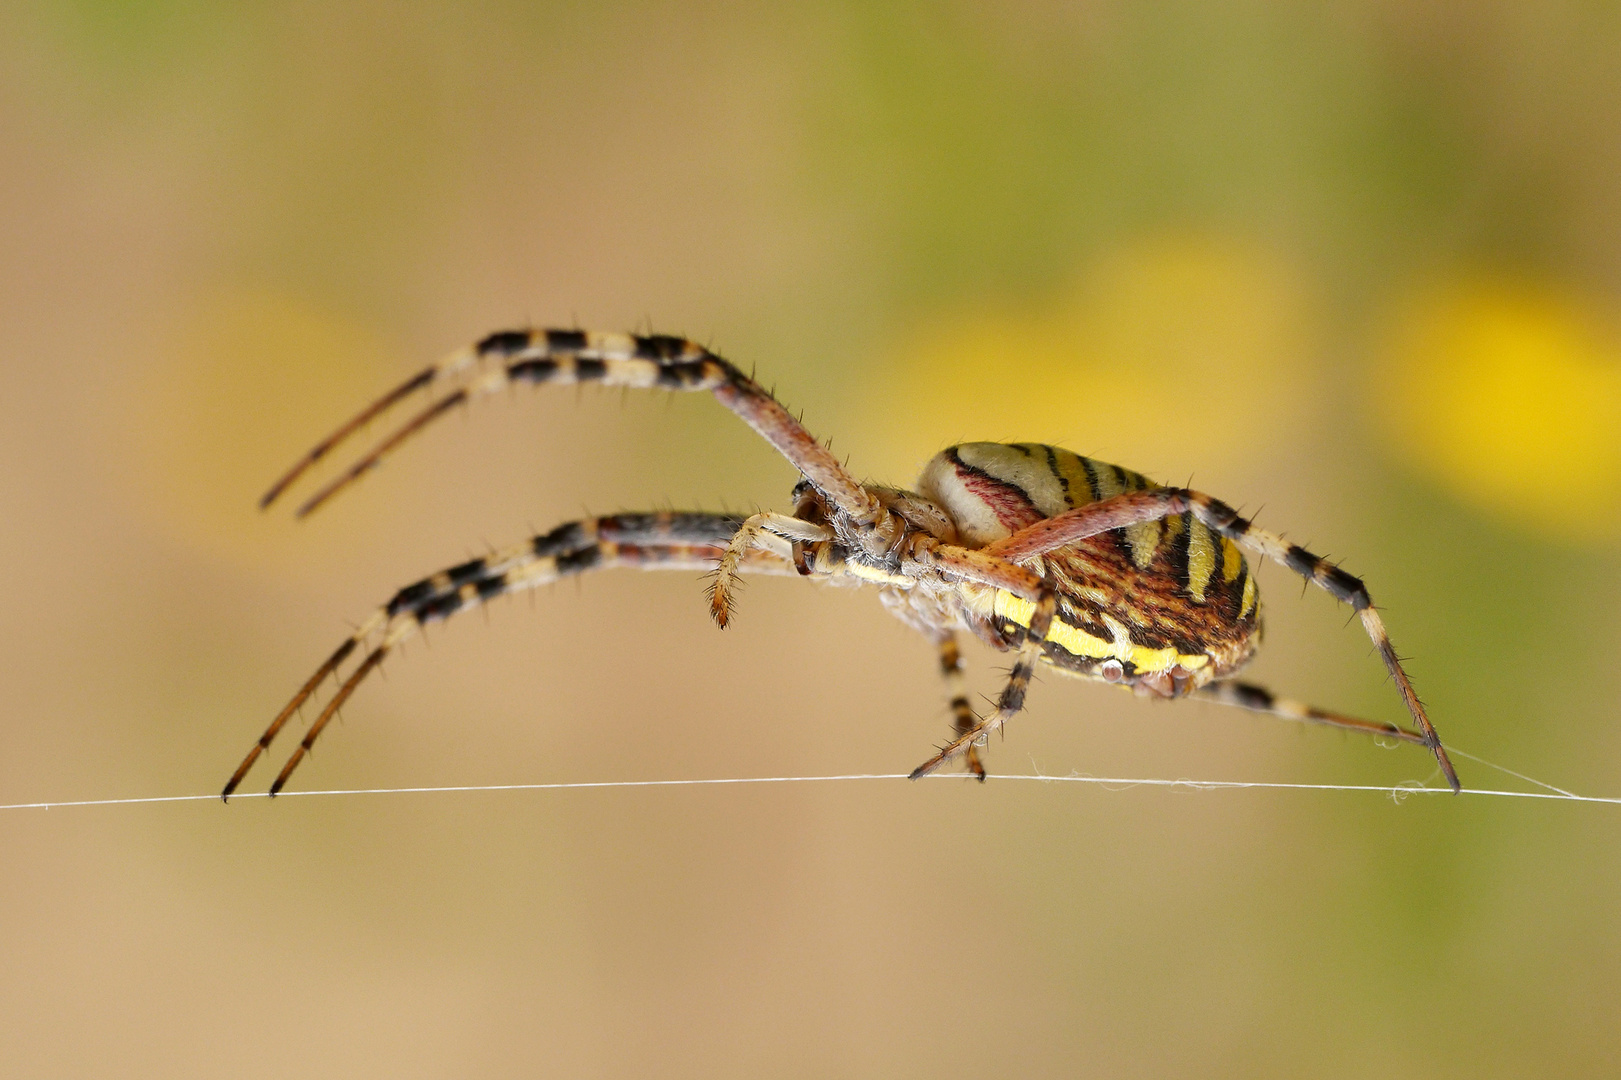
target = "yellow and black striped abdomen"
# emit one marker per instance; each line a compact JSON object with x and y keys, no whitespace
{"x":1167,"y":604}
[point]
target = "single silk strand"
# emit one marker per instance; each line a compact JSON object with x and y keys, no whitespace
{"x":1114,"y":782}
{"x":1511,"y":772}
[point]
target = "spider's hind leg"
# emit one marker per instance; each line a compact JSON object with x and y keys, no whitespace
{"x":1259,"y":699}
{"x":1139,"y":506}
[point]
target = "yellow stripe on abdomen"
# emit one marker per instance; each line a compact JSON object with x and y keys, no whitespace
{"x":1201,"y":559}
{"x":1077,"y":642}
{"x":1231,"y":560}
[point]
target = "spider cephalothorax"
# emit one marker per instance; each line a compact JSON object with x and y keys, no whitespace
{"x":1085,"y":566}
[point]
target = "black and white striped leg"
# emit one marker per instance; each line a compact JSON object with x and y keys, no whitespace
{"x":1012,"y":697}
{"x":1259,"y":699}
{"x":1138,"y":506}
{"x":963,"y":717}
{"x":1223,"y":519}
{"x":658,"y":541}
{"x":609,"y":359}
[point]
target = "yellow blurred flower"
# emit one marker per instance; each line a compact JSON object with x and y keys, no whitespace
{"x":1509,"y":394}
{"x":1172,"y":353}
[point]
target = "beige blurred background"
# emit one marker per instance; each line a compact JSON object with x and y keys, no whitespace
{"x":1356,"y":266}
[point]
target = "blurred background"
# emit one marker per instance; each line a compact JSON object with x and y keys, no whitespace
{"x":1355,"y":267}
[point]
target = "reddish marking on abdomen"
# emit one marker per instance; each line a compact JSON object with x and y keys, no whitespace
{"x":1011,"y":506}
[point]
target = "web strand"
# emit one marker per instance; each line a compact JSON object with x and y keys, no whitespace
{"x":1397,"y":792}
{"x":1511,"y":772}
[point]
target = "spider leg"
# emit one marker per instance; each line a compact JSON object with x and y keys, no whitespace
{"x":969,"y":564}
{"x":964,"y":719}
{"x":776,"y":533}
{"x":1012,"y":697}
{"x":1343,"y":587}
{"x":984,"y":566}
{"x":577,"y":356}
{"x":660,"y":541}
{"x":1259,"y":699}
{"x":1134,"y":507}
{"x":446,"y":368}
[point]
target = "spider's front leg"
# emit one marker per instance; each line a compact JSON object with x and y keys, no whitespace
{"x":572,"y":357}
{"x":658,"y":541}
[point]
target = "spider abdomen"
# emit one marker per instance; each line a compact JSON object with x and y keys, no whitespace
{"x":1166,"y":605}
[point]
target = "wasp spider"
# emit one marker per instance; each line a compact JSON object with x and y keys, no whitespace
{"x":1059,"y":559}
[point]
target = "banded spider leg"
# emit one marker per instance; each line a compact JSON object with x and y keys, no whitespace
{"x":659,"y":541}
{"x":1138,"y":506}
